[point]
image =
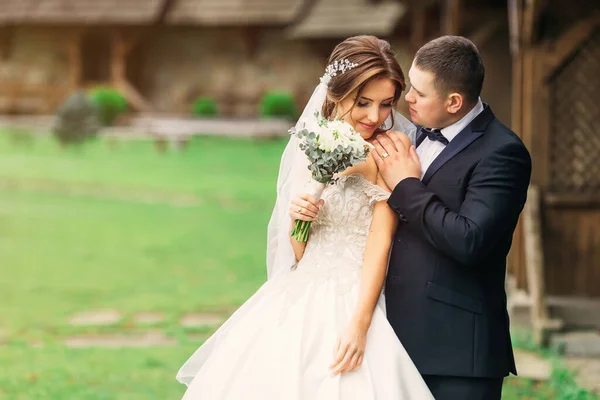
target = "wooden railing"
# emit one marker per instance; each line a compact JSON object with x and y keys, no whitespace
{"x":18,"y":97}
{"x":534,"y":266}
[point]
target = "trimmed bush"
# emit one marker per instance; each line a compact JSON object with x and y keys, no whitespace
{"x":76,"y":120}
{"x":280,"y":105}
{"x":109,"y":104}
{"x":205,"y":107}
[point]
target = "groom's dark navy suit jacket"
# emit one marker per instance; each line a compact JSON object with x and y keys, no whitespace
{"x":444,"y":291}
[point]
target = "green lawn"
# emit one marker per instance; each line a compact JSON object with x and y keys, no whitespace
{"x":127,"y":229}
{"x":134,"y":230}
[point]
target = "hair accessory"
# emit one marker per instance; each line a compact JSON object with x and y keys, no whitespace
{"x":337,"y":67}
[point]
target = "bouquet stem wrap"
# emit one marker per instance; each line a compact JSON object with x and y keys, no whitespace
{"x":301,"y":228}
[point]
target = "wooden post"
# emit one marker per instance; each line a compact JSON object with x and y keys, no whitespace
{"x":117,"y":64}
{"x":485,"y":32}
{"x":121,"y":47}
{"x":419,"y":20}
{"x":535,"y":266}
{"x":451,"y":17}
{"x":74,"y":55}
{"x":133,"y":96}
{"x":515,"y":22}
{"x":530,"y":16}
{"x":515,"y":26}
{"x":516,"y":256}
{"x":516,"y":111}
{"x":6,"y":41}
{"x":251,"y":35}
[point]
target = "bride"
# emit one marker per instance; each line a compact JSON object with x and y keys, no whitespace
{"x":317,"y":330}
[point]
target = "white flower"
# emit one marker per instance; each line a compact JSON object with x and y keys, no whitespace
{"x":326,"y":142}
{"x":335,"y":136}
{"x":343,"y":134}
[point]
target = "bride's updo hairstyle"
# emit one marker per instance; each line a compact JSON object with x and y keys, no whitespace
{"x":373,"y":58}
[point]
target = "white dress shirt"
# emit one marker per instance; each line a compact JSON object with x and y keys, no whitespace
{"x":428,"y":150}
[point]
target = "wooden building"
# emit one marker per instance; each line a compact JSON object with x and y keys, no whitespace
{"x":163,"y":53}
{"x":50,"y":48}
{"x":556,"y":109}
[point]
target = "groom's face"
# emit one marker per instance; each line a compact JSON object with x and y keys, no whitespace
{"x":426,"y":106}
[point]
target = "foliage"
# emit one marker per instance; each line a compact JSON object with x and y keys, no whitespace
{"x":109,"y":103}
{"x":76,"y":120}
{"x":561,"y":385}
{"x":281,"y":105}
{"x":205,"y":107}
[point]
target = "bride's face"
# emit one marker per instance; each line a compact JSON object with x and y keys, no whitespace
{"x":372,"y":109}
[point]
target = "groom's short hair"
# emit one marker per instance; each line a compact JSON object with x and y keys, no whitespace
{"x":456,"y":64}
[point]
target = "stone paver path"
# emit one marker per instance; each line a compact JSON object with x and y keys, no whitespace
{"x":146,"y":339}
{"x":587,"y":372}
{"x":198,"y":320}
{"x":96,"y":318}
{"x":578,"y":344}
{"x":582,"y":351}
{"x":532,"y":366}
{"x":582,"y":348}
{"x":143,"y":337}
{"x":582,"y":357}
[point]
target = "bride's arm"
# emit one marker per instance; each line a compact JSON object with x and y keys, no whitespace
{"x":375,"y":260}
{"x":351,"y":345}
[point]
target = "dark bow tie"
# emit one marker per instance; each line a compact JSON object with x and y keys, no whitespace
{"x":436,"y":135}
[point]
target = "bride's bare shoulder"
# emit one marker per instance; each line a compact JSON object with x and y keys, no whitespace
{"x":372,"y":174}
{"x":371,"y":170}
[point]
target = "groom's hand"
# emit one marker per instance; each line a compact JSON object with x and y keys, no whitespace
{"x":396,"y":158}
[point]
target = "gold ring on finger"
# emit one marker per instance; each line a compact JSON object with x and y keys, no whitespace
{"x":385,"y":155}
{"x":300,"y":210}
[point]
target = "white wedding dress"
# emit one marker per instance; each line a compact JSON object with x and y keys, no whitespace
{"x":280,"y":343}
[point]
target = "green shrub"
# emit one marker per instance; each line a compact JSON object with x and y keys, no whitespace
{"x":205,"y":107}
{"x":76,"y":120}
{"x":278,"y":105}
{"x":109,"y":104}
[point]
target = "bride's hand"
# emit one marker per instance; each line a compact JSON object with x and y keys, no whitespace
{"x":349,"y":350}
{"x":305,"y":208}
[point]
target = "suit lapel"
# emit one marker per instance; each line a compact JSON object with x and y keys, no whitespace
{"x":465,"y":137}
{"x":420,"y":136}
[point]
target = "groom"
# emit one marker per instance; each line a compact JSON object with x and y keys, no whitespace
{"x":458,"y":193}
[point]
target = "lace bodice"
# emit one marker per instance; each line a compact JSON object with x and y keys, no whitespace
{"x":338,"y":236}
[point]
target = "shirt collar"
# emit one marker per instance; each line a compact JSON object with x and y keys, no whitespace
{"x":451,"y":131}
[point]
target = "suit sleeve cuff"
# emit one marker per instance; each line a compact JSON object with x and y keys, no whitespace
{"x":400,"y":197}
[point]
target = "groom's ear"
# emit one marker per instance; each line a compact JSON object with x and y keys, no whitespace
{"x":454,"y":103}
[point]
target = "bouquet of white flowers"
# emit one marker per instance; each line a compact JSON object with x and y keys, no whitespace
{"x":331,"y":147}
